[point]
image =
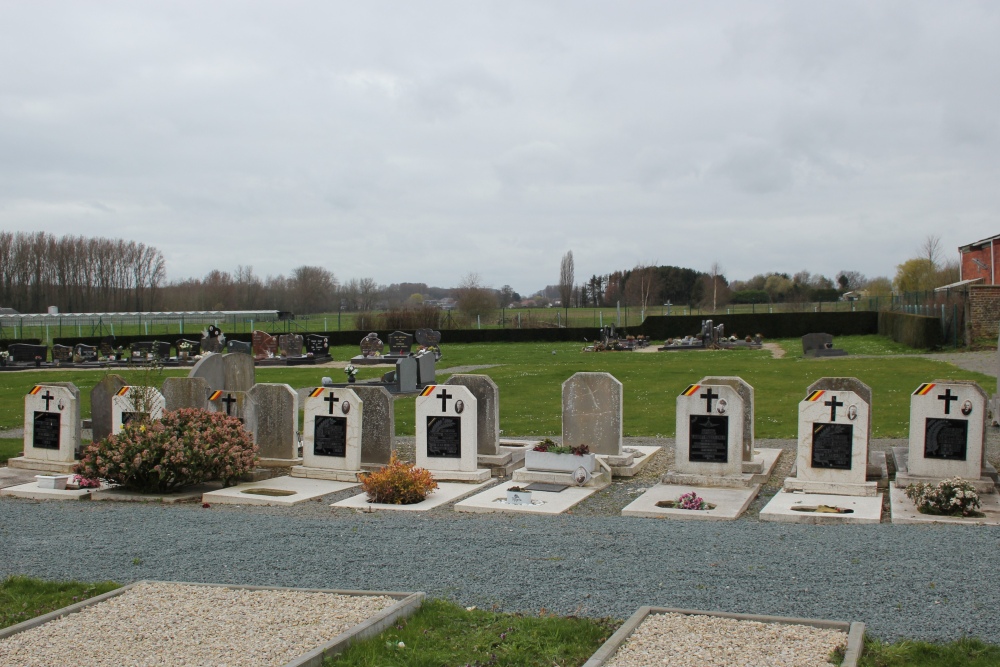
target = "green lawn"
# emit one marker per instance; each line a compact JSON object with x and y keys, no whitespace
{"x":443,"y":633}
{"x":530,"y":377}
{"x":23,"y":598}
{"x":966,"y":652}
{"x":10,"y":447}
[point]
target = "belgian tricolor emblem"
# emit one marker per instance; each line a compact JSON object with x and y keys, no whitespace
{"x":815,"y":395}
{"x":690,"y":390}
{"x":924,"y":389}
{"x":34,"y":391}
{"x":316,"y":392}
{"x":216,"y":395}
{"x":428,"y":389}
{"x":123,"y":391}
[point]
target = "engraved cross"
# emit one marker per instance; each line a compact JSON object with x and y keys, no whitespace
{"x":331,"y":399}
{"x":229,"y":400}
{"x":947,"y":398}
{"x":834,"y":404}
{"x":709,"y":396}
{"x":48,"y":397}
{"x":444,"y":396}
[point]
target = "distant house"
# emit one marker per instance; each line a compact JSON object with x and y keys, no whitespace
{"x":8,"y":311}
{"x":981,"y":260}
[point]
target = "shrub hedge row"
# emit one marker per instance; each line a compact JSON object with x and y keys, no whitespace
{"x":916,"y":331}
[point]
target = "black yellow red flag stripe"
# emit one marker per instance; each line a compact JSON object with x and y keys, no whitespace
{"x":923,"y":389}
{"x":691,"y":389}
{"x":428,"y":389}
{"x":316,"y":392}
{"x":815,"y":395}
{"x":216,"y":395}
{"x":34,"y":391}
{"x":123,"y":391}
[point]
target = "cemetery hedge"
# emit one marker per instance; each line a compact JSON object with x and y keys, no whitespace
{"x":657,"y":327}
{"x":917,"y":331}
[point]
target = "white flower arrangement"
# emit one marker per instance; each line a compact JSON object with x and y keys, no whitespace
{"x":955,"y":497}
{"x":350,"y":370}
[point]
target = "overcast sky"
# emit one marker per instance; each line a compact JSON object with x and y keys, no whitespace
{"x":424,"y":141}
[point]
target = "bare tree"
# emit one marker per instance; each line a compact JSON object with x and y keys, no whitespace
{"x":566,"y":280}
{"x":930,"y":249}
{"x":715,"y":272}
{"x":474,"y":299}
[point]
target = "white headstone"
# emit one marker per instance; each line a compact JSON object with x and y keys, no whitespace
{"x":51,"y":425}
{"x":331,"y":430}
{"x":131,"y":402}
{"x":833,"y":444}
{"x":447,"y":429}
{"x":947,"y":425}
{"x":237,"y":404}
{"x":710,"y":431}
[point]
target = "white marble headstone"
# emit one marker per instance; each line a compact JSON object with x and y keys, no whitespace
{"x":710,"y":431}
{"x":51,"y":425}
{"x":331,"y":429}
{"x":131,"y":402}
{"x":833,"y":443}
{"x":947,"y":424}
{"x":447,"y":428}
{"x":237,"y":404}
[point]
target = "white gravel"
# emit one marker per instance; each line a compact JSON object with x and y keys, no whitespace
{"x":683,"y":640}
{"x":172,"y":624}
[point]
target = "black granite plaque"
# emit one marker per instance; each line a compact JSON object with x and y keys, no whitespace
{"x":46,"y":430}
{"x":330,"y":436}
{"x":708,"y":439}
{"x":133,"y":416}
{"x":444,"y":437}
{"x":946,"y":439}
{"x":400,"y":342}
{"x":832,"y":446}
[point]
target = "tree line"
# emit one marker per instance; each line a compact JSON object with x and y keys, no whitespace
{"x":76,"y":273}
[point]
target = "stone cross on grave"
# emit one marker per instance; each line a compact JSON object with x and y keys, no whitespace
{"x":48,"y":398}
{"x":444,"y":396}
{"x":235,"y":404}
{"x":709,"y":396}
{"x":331,"y":399}
{"x":833,"y":404}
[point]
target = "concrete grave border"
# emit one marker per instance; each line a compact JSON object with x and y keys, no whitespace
{"x":407,"y":604}
{"x":855,"y":630}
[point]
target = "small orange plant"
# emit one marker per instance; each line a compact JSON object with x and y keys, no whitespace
{"x":397,"y":483}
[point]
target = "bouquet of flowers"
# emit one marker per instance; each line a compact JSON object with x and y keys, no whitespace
{"x":350,"y":370}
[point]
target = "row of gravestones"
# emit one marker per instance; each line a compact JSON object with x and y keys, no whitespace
{"x":265,"y":346}
{"x":715,"y":441}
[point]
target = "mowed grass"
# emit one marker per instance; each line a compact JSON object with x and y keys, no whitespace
{"x":24,"y":598}
{"x":966,"y":652}
{"x":530,"y":378}
{"x":10,"y":447}
{"x":443,"y":633}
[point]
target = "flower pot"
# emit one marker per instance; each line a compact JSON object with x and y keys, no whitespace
{"x":549,"y":461}
{"x":351,"y":379}
{"x":518,"y":497}
{"x":52,"y":481}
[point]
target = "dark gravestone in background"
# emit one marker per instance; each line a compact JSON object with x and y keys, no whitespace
{"x":832,"y":446}
{"x":709,"y":439}
{"x":46,"y":430}
{"x":330,"y":436}
{"x":946,"y":439}
{"x":238,"y":347}
{"x":444,"y":437}
{"x":85,"y":352}
{"x":318,"y":346}
{"x":400,"y":343}
{"x":62,"y":353}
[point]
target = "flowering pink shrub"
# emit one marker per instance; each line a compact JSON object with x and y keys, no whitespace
{"x":184,"y":447}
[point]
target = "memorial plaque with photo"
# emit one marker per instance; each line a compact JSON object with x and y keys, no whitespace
{"x":832,"y":446}
{"x":709,"y":439}
{"x":330,"y":436}
{"x":444,"y":437}
{"x":46,"y":433}
{"x":946,"y":439}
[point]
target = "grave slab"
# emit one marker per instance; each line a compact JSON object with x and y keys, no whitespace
{"x":189,"y":494}
{"x":445,"y":493}
{"x":729,"y":503}
{"x":905,"y":512}
{"x":32,"y":491}
{"x":984,"y":484}
{"x":543,"y":502}
{"x":642,"y":455}
{"x":866,"y":509}
{"x":301,"y":490}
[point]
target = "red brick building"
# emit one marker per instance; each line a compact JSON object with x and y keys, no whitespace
{"x":981,"y":260}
